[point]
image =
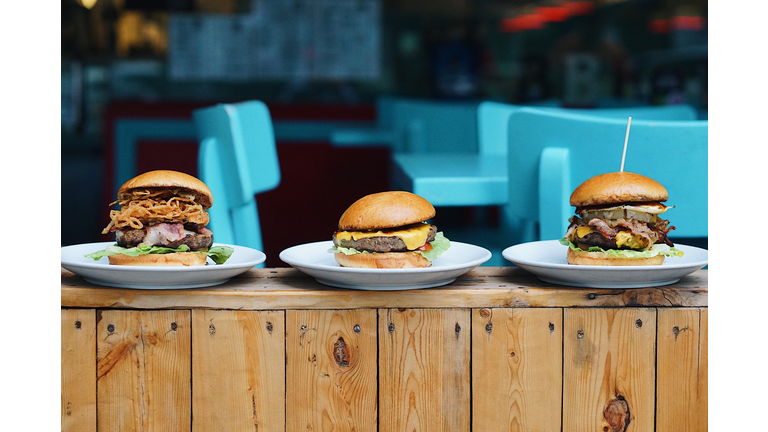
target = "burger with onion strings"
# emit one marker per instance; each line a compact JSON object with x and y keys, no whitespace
{"x":162,"y":222}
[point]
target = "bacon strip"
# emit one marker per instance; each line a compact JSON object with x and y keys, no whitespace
{"x":164,"y":233}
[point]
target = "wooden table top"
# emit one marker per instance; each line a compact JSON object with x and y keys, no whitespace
{"x":288,"y":288}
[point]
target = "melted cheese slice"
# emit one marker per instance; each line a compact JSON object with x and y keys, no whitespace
{"x":414,"y":236}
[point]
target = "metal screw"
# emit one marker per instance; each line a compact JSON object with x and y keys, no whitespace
{"x":639,"y":323}
{"x":174,"y":326}
{"x":111,"y":328}
{"x":357,"y":328}
{"x":591,"y":296}
{"x":580,"y":334}
{"x":391,"y":327}
{"x":78,"y":324}
{"x":269,"y":326}
{"x":488,"y":327}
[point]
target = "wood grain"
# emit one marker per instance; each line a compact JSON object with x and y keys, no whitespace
{"x":608,"y":370}
{"x":78,"y":370}
{"x":238,"y":371}
{"x":331,"y":370}
{"x":424,"y":357}
{"x":287,"y":288}
{"x":143,"y":370}
{"x":517,"y":369}
{"x":681,"y":395}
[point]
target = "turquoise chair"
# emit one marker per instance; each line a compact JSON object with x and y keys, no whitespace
{"x":492,"y":119}
{"x":550,"y":153}
{"x":237,"y":159}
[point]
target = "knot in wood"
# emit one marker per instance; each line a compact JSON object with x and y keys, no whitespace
{"x":617,"y":414}
{"x":341,"y":353}
{"x":485,"y":313}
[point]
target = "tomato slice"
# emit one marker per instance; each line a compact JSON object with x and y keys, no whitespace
{"x":426,"y":247}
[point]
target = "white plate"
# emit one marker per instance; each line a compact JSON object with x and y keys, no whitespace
{"x":315,"y":260}
{"x":546,"y":260}
{"x":149,"y":277}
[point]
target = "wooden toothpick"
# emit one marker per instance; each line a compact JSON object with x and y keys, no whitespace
{"x":626,"y":138}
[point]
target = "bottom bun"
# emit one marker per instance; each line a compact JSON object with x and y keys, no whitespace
{"x":383,"y":260}
{"x":605,"y":259}
{"x":170,"y":259}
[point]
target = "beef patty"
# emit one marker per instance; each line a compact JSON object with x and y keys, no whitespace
{"x":381,"y":244}
{"x":167,"y":235}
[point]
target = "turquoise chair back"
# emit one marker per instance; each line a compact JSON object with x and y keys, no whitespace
{"x":551,"y":153}
{"x":237,"y":159}
{"x":493,"y":118}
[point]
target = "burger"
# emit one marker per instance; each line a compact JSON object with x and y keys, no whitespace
{"x":388,"y":230}
{"x":618,"y":222}
{"x":162,"y":222}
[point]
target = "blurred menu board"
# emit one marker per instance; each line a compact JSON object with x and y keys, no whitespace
{"x":279,"y":39}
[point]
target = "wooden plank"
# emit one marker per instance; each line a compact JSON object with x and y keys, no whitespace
{"x":143,"y":370}
{"x":517,"y":369}
{"x":266,"y":289}
{"x":78,"y":370}
{"x":702,"y":411}
{"x":681,"y":394}
{"x":238,"y":376}
{"x":331,"y":370}
{"x":424,"y":371}
{"x":608,"y":370}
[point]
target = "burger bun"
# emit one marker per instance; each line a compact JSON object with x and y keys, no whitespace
{"x":618,"y":187}
{"x":168,"y":179}
{"x":386,"y":210}
{"x":575,"y":257}
{"x":395,"y":260}
{"x":170,"y":259}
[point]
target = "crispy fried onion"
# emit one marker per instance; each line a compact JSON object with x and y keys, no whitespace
{"x":153,"y":207}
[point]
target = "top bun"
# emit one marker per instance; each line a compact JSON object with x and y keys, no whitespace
{"x":618,"y":187}
{"x":168,"y":179}
{"x":386,"y":210}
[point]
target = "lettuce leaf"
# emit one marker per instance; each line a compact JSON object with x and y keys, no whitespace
{"x":219,"y":254}
{"x":657,"y":249}
{"x":439,"y":245}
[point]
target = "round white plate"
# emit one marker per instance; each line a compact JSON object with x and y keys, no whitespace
{"x":149,"y":277}
{"x":546,"y":260}
{"x":315,"y":260}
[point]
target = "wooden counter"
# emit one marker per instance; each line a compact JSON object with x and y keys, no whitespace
{"x":273,"y":350}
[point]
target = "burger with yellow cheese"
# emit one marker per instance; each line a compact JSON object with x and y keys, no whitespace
{"x":388,"y":230}
{"x":162,"y":222}
{"x":618,"y":222}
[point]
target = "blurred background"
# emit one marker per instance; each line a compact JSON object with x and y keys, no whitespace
{"x":314,"y":61}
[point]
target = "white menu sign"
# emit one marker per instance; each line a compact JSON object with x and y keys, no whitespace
{"x":279,"y":39}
